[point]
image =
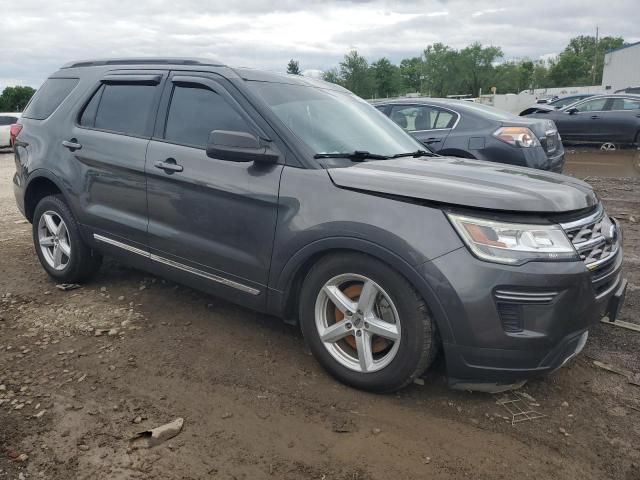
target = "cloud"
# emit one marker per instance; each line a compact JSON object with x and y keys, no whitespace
{"x":40,"y":36}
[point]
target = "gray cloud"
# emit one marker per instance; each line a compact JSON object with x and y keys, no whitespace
{"x":39,"y":36}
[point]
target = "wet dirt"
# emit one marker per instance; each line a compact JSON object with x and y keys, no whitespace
{"x":128,"y":352}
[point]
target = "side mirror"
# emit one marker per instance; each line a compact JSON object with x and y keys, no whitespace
{"x":572,"y":111}
{"x":239,"y":147}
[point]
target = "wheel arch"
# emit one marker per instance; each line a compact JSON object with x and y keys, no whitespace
{"x":42,"y":183}
{"x":292,"y":276}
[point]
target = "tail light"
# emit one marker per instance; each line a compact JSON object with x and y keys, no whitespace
{"x":517,"y":136}
{"x":14,"y":130}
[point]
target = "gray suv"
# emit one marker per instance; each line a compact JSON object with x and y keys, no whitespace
{"x":293,"y":197}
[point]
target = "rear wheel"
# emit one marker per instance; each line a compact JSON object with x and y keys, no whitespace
{"x":365,"y":323}
{"x":608,"y":147}
{"x":59,"y":245}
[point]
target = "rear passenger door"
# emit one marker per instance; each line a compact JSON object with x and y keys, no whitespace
{"x":211,"y":221}
{"x":108,"y":144}
{"x":428,"y":124}
{"x":623,"y":117}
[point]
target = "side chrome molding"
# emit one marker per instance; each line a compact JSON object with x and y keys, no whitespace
{"x":177,"y":265}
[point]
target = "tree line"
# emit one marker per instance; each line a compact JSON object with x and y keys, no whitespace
{"x":441,"y":70}
{"x":14,"y":99}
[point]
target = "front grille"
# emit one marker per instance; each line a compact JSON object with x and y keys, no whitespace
{"x":595,"y":237}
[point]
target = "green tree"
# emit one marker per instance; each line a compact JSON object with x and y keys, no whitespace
{"x":14,"y":99}
{"x":355,"y":74}
{"x":514,"y":76}
{"x":540,"y":77}
{"x":476,"y":66}
{"x":293,"y":67}
{"x":580,"y":59}
{"x":332,"y":76}
{"x":440,"y":67}
{"x":411,"y":72}
{"x":387,"y":78}
{"x":507,"y":78}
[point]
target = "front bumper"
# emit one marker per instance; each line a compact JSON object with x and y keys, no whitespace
{"x":508,"y":323}
{"x":556,"y":162}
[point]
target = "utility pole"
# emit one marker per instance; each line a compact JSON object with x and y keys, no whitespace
{"x":595,"y":58}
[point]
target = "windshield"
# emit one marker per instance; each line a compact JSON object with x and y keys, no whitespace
{"x":330,"y":121}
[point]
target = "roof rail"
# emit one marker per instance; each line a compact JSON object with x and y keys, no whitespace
{"x":144,"y":61}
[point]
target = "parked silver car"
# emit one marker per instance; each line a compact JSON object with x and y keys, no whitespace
{"x":6,"y":120}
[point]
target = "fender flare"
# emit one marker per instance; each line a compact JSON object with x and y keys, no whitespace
{"x":297,"y":262}
{"x":49,"y":175}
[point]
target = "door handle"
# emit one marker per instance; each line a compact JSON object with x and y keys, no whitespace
{"x":431,"y":140}
{"x":595,"y":117}
{"x":72,"y":144}
{"x":169,"y":166}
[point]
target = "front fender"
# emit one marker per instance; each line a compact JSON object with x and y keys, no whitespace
{"x":283,"y":287}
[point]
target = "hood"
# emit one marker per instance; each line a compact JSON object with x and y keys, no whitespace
{"x":469,"y":183}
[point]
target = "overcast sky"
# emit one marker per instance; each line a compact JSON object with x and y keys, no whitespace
{"x":38,"y":36}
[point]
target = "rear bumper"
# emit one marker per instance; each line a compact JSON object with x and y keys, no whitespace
{"x":533,"y":157}
{"x":508,"y":324}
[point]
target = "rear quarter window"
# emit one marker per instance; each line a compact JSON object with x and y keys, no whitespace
{"x":49,"y":97}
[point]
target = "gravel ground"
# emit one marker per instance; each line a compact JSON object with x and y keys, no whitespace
{"x":83,"y":371}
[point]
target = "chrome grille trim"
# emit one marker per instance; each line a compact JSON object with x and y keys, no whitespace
{"x":524,"y":296}
{"x":584,"y":221}
{"x":594,"y":248}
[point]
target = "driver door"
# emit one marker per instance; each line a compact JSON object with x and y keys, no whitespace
{"x":211,"y":221}
{"x":587,"y":123}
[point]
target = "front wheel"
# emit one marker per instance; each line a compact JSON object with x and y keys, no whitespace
{"x":365,"y":323}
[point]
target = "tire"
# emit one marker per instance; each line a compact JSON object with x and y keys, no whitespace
{"x":76,"y":261}
{"x":393,"y":363}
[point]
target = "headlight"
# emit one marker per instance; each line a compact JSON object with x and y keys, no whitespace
{"x":517,"y":136}
{"x":513,"y":243}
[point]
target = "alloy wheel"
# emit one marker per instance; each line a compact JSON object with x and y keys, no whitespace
{"x":53,"y":238}
{"x":358,"y":323}
{"x":607,"y":147}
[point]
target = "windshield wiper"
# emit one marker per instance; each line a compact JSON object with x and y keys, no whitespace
{"x":416,"y":154}
{"x":358,"y":155}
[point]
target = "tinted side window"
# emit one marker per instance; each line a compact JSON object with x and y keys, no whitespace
{"x":445,"y":119}
{"x":125,"y":108}
{"x":88,"y":117}
{"x":7,"y":120}
{"x":419,"y":117}
{"x":625,"y":104}
{"x":595,"y":105}
{"x":48,"y":97}
{"x":629,"y":104}
{"x":195,"y":112}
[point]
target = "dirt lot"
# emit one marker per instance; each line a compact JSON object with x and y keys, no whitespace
{"x":256,"y":405}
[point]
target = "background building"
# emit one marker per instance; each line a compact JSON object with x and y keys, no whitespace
{"x":622,"y":68}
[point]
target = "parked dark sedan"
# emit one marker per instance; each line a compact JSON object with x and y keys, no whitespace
{"x":471,"y":130}
{"x":555,"y":104}
{"x":602,"y":119}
